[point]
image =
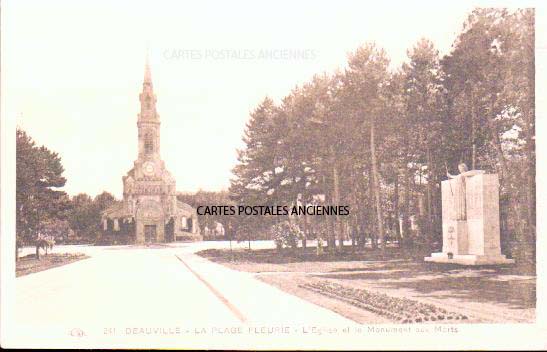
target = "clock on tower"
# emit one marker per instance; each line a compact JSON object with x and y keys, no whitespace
{"x":148,"y":168}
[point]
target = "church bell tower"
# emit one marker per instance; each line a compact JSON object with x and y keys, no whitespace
{"x":150,"y":211}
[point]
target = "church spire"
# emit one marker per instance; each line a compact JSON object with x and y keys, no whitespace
{"x":147,"y":97}
{"x":147,"y":73}
{"x":149,"y":120}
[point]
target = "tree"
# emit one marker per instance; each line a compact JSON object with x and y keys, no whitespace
{"x":367,"y":77}
{"x":256,"y":176}
{"x":85,"y":214}
{"x":490,"y":91}
{"x":423,"y":107}
{"x":38,"y":175}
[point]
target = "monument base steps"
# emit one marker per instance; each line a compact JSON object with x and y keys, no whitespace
{"x":469,"y":259}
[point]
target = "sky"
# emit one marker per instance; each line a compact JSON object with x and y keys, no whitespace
{"x":73,"y":71}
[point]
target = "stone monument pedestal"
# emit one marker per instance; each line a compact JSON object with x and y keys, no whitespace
{"x":475,"y":239}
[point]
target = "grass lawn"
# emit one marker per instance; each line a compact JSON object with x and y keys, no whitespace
{"x":29,"y":264}
{"x":396,"y":286}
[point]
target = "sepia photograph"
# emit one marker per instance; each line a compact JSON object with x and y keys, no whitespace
{"x":290,"y":175}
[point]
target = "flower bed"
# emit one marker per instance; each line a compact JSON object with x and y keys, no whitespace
{"x":400,"y":310}
{"x":29,"y":264}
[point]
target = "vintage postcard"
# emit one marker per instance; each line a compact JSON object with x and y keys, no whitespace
{"x":294,"y":175}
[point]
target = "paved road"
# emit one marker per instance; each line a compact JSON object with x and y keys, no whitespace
{"x":119,"y":295}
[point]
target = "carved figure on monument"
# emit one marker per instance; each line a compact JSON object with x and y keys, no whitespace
{"x":458,"y":191}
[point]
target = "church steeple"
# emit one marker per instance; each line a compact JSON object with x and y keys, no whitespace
{"x":149,"y":190}
{"x":147,"y":73}
{"x":149,"y":121}
{"x":147,"y":97}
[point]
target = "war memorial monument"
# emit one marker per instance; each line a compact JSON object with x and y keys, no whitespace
{"x":471,"y":219}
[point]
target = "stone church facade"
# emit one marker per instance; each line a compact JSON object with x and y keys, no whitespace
{"x":150,"y":211}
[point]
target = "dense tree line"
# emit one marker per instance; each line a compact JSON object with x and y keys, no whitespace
{"x":236,"y":227}
{"x":85,"y":212}
{"x":203,"y":198}
{"x":381,"y":140}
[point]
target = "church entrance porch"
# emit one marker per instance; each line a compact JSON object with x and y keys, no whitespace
{"x":149,"y":232}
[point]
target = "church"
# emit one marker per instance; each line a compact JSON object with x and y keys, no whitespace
{"x":150,"y":211}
